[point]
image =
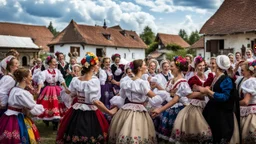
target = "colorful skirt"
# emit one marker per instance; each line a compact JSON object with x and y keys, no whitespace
{"x":167,"y":119}
{"x":106,"y":94}
{"x":17,"y":129}
{"x":128,"y":127}
{"x":248,"y":127}
{"x":191,"y":127}
{"x":52,"y":103}
{"x":79,"y":126}
{"x":68,"y":80}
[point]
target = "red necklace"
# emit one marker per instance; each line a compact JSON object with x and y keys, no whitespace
{"x":53,"y":73}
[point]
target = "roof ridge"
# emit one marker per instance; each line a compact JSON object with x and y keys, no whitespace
{"x":23,"y":24}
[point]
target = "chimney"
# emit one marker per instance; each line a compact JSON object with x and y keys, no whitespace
{"x":104,"y":24}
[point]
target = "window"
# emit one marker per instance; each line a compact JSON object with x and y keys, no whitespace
{"x":124,"y":55}
{"x":75,"y":50}
{"x":133,"y":37}
{"x":133,"y":55}
{"x":123,"y":32}
{"x":221,"y":44}
{"x":107,"y":36}
{"x":51,"y":49}
{"x":99,"y":52}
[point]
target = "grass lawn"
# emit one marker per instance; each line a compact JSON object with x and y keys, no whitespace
{"x":47,"y":135}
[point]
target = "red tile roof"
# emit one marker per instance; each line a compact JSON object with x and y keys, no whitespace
{"x":40,"y":34}
{"x":198,"y":44}
{"x":233,"y":16}
{"x":94,"y":35}
{"x":172,"y":39}
{"x":156,"y":54}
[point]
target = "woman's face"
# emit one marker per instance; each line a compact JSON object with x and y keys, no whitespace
{"x":129,"y":73}
{"x":106,"y":63}
{"x":245,"y":72}
{"x":213,"y":65}
{"x":166,"y":67}
{"x":53,"y":63}
{"x":174,"y":68}
{"x":188,"y":60}
{"x":200,"y":68}
{"x":249,"y":54}
{"x":61,"y":57}
{"x":28,"y":79}
{"x":77,"y":71}
{"x":152,"y":67}
{"x":231,"y":58}
{"x":73,"y":61}
{"x":15,"y":65}
{"x":144,"y":68}
{"x":117,"y":60}
{"x":238,"y":57}
{"x":96,"y":69}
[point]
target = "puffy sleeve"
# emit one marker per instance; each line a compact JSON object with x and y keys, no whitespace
{"x":183,"y":89}
{"x":209,"y":80}
{"x":249,"y":86}
{"x":60,"y":76}
{"x":72,"y":86}
{"x":226,"y":87}
{"x":26,"y":99}
{"x":145,"y":87}
{"x":6,"y":84}
{"x":194,"y":81}
{"x":42,"y":77}
{"x":93,"y":89}
{"x":118,"y":100}
{"x":102,"y":77}
{"x":157,"y":100}
{"x":145,"y":76}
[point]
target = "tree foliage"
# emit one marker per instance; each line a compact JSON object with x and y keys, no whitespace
{"x":173,"y":47}
{"x":152,"y":47}
{"x":180,"y":52}
{"x":194,"y":36}
{"x":148,"y":36}
{"x":183,"y":34}
{"x":52,"y":29}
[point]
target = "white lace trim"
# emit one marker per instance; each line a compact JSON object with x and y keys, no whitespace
{"x":246,"y":110}
{"x":134,"y":107}
{"x":196,"y":102}
{"x":84,"y":107}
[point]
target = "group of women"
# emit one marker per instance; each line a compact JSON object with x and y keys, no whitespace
{"x":181,"y":100}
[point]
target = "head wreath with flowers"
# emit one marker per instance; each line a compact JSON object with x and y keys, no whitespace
{"x":115,"y":56}
{"x":181,"y":63}
{"x":48,"y":59}
{"x":252,"y":65}
{"x":90,"y":59}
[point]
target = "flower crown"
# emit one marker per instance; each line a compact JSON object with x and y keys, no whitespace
{"x":198,"y":60}
{"x":49,"y":57}
{"x":115,"y":56}
{"x":89,"y":60}
{"x":252,"y":65}
{"x":179,"y":60}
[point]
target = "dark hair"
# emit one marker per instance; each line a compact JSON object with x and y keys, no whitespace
{"x":127,"y":69}
{"x":238,"y":53}
{"x":20,"y":73}
{"x":136,"y":65}
{"x":103,"y":60}
{"x":182,"y":67}
{"x":10,"y":63}
{"x":86,"y":70}
{"x":49,"y":59}
{"x":12,"y":52}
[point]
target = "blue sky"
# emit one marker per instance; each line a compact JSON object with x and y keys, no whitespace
{"x":165,"y":16}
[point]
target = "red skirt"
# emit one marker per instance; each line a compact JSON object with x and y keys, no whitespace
{"x":51,"y":101}
{"x":9,"y":130}
{"x":83,"y":127}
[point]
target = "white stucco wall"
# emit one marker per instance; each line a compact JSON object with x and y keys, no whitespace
{"x":138,"y":53}
{"x":232,"y":41}
{"x":200,"y":52}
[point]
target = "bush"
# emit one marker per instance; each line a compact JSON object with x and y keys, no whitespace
{"x":180,"y":52}
{"x":173,"y":47}
{"x":152,"y":47}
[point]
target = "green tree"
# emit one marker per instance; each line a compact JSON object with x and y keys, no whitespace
{"x":183,"y":34}
{"x":173,"y":47}
{"x":194,"y":37}
{"x":152,"y":47}
{"x":180,"y":52}
{"x":148,"y":36}
{"x":52,"y":29}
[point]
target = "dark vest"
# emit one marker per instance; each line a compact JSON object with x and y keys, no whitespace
{"x":219,"y":115}
{"x":63,"y":70}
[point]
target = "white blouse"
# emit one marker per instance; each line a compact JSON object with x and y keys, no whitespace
{"x":6,"y":84}
{"x":102,"y":76}
{"x":20,"y":98}
{"x":87,"y":91}
{"x":50,"y":78}
{"x":162,"y":80}
{"x":136,"y":91}
{"x":249,"y":86}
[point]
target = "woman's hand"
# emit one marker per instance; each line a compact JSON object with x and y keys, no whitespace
{"x":173,"y":91}
{"x":155,"y":112}
{"x":113,"y":111}
{"x":67,"y":91}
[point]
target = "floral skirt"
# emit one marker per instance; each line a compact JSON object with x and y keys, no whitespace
{"x":18,"y":129}
{"x":167,"y":119}
{"x":106,"y":94}
{"x":191,"y":127}
{"x":248,"y":127}
{"x":52,"y":103}
{"x":128,"y":127}
{"x":79,"y":126}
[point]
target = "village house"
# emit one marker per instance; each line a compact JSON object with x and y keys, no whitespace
{"x":163,"y":40}
{"x":198,"y":46}
{"x":231,"y":29}
{"x":101,"y":40}
{"x":28,"y":40}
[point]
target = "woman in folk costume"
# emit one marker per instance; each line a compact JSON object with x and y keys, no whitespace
{"x":70,"y":73}
{"x":117,"y":71}
{"x":62,"y":64}
{"x":165,"y":75}
{"x":153,"y":67}
{"x":84,"y":122}
{"x":11,"y":52}
{"x":50,"y":95}
{"x":132,"y":123}
{"x":14,"y":126}
{"x":248,"y":103}
{"x":188,"y":74}
{"x":219,"y":111}
{"x":179,"y":89}
{"x":7,"y":82}
{"x":190,"y":125}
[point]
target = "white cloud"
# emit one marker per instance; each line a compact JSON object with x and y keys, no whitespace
{"x":3,"y":2}
{"x":129,"y":7}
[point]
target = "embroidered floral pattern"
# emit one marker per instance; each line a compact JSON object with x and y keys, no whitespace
{"x":251,"y":137}
{"x":82,"y":139}
{"x":131,"y":140}
{"x":9,"y":135}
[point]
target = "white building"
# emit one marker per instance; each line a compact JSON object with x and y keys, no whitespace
{"x":198,"y":46}
{"x":100,"y":40}
{"x":231,"y":29}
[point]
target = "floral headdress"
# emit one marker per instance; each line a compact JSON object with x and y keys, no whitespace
{"x":90,"y":59}
{"x":181,"y":62}
{"x":115,"y":56}
{"x":198,"y":60}
{"x":49,"y":58}
{"x":252,"y":66}
{"x":57,"y":53}
{"x":131,"y":65}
